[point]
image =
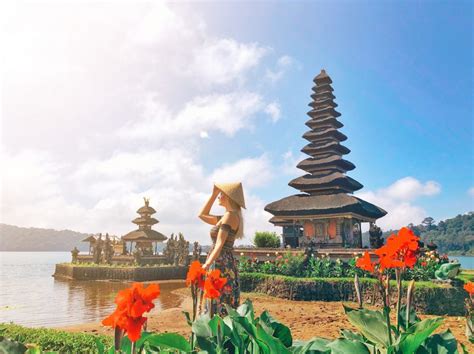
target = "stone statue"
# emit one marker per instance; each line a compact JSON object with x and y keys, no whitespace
{"x":97,"y":250}
{"x":74,"y":254}
{"x":196,"y":251}
{"x":137,"y":255}
{"x":375,"y":232}
{"x":182,"y":250}
{"x":448,"y":271}
{"x":169,"y":251}
{"x":108,"y":250}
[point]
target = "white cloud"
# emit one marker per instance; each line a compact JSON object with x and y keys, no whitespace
{"x":289,"y":163}
{"x":471,"y":191}
{"x":398,"y":200}
{"x":122,"y":110}
{"x":273,"y":109}
{"x":283,"y":64}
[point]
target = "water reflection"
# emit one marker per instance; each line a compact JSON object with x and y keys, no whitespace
{"x":30,"y":296}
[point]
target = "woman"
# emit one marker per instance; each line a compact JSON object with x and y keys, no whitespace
{"x":226,"y":229}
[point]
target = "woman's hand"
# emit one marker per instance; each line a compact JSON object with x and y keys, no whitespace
{"x":215,"y":191}
{"x":206,"y":266}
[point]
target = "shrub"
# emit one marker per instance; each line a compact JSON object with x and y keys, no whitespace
{"x":266,"y":239}
{"x":54,"y":340}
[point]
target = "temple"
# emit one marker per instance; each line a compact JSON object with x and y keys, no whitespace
{"x":325,"y":213}
{"x":144,"y":237}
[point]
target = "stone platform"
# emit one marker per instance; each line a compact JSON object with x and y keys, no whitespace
{"x":131,"y":273}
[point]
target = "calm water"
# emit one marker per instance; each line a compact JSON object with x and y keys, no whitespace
{"x":466,"y":262}
{"x":29,"y":295}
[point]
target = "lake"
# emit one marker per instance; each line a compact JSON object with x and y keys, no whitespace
{"x":30,"y":296}
{"x":466,"y":261}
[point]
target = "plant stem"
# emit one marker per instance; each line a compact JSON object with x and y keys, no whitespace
{"x":386,"y":307}
{"x":398,"y":275}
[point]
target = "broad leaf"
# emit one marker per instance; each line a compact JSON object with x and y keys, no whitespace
{"x":275,"y":345}
{"x":371,"y":324}
{"x":206,"y":345}
{"x":344,"y":346}
{"x":412,"y":318}
{"x":411,"y":340}
{"x":169,"y":341}
{"x":201,"y":327}
{"x":442,"y":343}
{"x":313,"y":346}
{"x":280,"y":331}
{"x":246,"y":310}
{"x":8,"y":346}
{"x":352,"y":335}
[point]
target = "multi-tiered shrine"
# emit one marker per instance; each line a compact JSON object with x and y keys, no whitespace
{"x":325,"y":213}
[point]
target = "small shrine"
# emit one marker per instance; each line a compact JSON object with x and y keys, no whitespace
{"x":326,"y":213}
{"x":145,"y":238}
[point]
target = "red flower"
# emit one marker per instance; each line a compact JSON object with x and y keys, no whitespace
{"x":365,"y":263}
{"x":469,"y":287}
{"x":196,"y":275}
{"x":400,"y":251}
{"x":423,"y":264}
{"x":132,"y":303}
{"x":213,"y":284}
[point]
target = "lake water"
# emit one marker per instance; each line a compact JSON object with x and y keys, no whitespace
{"x":466,"y":262}
{"x":30,"y":296}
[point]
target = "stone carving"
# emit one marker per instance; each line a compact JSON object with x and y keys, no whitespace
{"x":97,"y":250}
{"x":74,"y":254}
{"x":375,"y":232}
{"x":447,"y":271}
{"x":197,"y":249}
{"x":108,"y":249}
{"x":177,"y":250}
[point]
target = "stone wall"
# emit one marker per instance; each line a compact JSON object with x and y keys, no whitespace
{"x":429,"y":298}
{"x":70,"y":271}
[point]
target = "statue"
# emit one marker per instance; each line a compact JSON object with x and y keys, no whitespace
{"x":74,"y":253}
{"x":169,"y":251}
{"x":182,"y":250}
{"x":196,"y":251}
{"x":375,"y":232}
{"x":448,"y":271}
{"x":97,"y":250}
{"x":108,"y":250}
{"x":137,"y":255}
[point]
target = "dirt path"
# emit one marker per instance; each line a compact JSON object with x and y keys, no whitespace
{"x":306,"y":319}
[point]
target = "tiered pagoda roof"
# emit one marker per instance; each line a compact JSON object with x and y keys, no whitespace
{"x":145,"y":222}
{"x":326,"y":189}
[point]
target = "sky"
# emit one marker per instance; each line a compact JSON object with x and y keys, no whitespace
{"x":104,"y":103}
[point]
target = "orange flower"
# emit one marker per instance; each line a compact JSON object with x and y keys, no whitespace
{"x":213,"y":284}
{"x":365,"y":263}
{"x":196,"y":275}
{"x":400,"y":250}
{"x":469,"y":287}
{"x":132,"y":303}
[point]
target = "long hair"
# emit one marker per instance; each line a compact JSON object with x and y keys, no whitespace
{"x":236,"y":207}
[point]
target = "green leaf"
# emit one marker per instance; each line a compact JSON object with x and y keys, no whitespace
{"x":344,"y":346}
{"x":412,"y":318}
{"x":246,"y":310}
{"x":275,"y":345}
{"x":441,"y":343}
{"x":352,"y":335}
{"x":188,"y":317}
{"x":370,"y":323}
{"x":201,"y":327}
{"x":205,"y":344}
{"x":8,"y":346}
{"x":314,"y":346}
{"x":100,"y":346}
{"x":280,"y":331}
{"x":411,"y":340}
{"x":169,"y":341}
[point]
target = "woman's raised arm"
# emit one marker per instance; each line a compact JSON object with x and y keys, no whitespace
{"x":204,"y":214}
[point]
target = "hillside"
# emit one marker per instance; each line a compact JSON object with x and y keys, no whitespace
{"x":14,"y":238}
{"x":453,"y":236}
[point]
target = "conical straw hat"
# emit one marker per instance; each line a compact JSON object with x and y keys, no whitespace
{"x":234,"y":191}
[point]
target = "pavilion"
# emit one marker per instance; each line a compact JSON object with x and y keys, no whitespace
{"x":145,"y":237}
{"x":325,"y":213}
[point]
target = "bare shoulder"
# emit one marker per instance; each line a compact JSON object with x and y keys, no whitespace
{"x":231,"y":219}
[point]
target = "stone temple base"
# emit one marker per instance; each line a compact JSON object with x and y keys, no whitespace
{"x":76,"y":272}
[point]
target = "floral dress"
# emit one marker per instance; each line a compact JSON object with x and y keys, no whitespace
{"x":228,"y":267}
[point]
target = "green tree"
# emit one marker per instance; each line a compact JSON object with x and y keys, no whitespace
{"x":266,"y":239}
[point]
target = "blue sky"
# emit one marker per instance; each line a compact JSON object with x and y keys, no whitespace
{"x":105,"y":103}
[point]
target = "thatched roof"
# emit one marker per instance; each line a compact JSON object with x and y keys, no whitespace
{"x":307,"y":205}
{"x":145,"y":221}
{"x":90,"y":238}
{"x":332,"y":181}
{"x":325,"y":133}
{"x":146,"y":209}
{"x":332,"y":146}
{"x":321,"y":122}
{"x":323,"y":112}
{"x":312,"y":164}
{"x":144,"y":235}
{"x":322,"y":78}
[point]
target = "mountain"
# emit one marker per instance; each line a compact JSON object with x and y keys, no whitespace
{"x":453,"y":236}
{"x":14,"y":238}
